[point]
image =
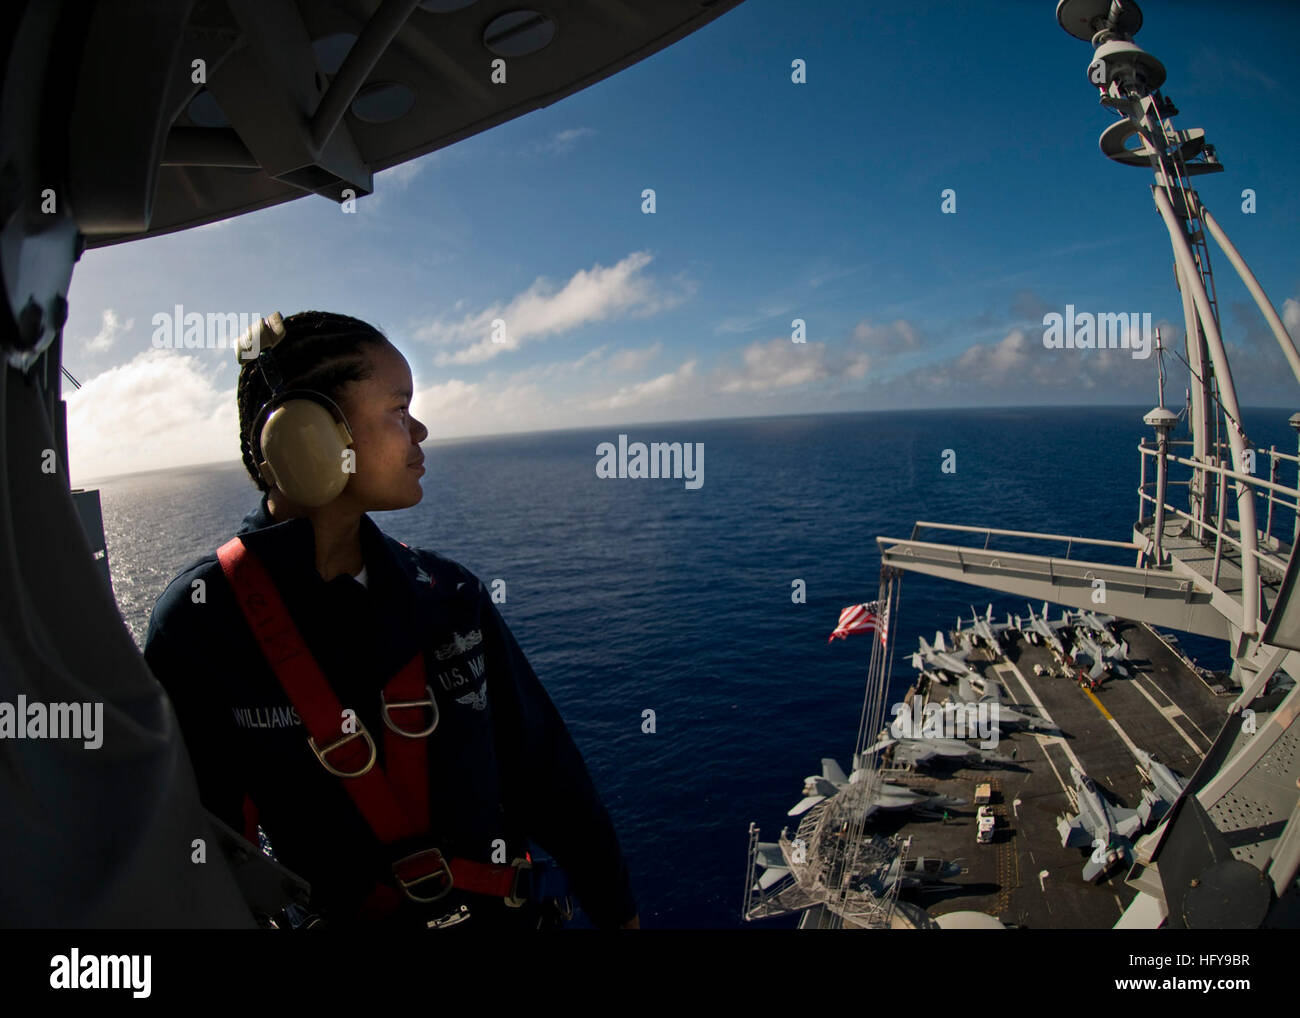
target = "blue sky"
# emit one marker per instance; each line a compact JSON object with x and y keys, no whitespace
{"x":775,"y":201}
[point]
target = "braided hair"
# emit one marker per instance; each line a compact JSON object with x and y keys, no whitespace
{"x":320,"y":351}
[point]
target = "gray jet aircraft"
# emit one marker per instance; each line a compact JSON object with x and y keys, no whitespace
{"x":939,"y":658}
{"x":1100,"y":627}
{"x":912,"y":873}
{"x":991,"y":634}
{"x":1042,"y":631}
{"x":1008,"y":715}
{"x":1165,"y":788}
{"x":1106,"y":828}
{"x":1099,"y":660}
{"x":887,"y":796}
{"x":919,"y":752}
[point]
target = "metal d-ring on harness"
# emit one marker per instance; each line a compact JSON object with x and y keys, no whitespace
{"x":394,"y":800}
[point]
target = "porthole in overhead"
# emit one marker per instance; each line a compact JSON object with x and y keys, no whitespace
{"x":331,"y":50}
{"x":204,"y":111}
{"x":518,"y":33}
{"x":382,"y":102}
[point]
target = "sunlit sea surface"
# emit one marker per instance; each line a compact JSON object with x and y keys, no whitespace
{"x":631,"y":594}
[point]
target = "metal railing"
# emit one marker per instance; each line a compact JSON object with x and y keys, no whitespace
{"x":1257,"y":485}
{"x":1225,"y":529}
{"x":989,"y":532}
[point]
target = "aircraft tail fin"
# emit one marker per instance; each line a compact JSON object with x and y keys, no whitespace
{"x":1127,"y":821}
{"x":831,"y":771}
{"x":1072,"y":832}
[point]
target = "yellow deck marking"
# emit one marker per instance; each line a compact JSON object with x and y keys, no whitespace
{"x":1128,"y":743}
{"x":1093,"y":697}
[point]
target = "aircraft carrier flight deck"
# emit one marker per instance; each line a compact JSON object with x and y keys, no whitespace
{"x":1024,"y":877}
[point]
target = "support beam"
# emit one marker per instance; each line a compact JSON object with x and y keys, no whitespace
{"x":1266,"y":308}
{"x":1157,"y":597}
{"x":374,"y":39}
{"x":1191,"y":279}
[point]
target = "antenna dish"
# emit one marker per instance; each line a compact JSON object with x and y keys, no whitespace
{"x":1083,"y":19}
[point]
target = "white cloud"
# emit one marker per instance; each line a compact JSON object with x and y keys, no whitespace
{"x":822,"y":278}
{"x":594,"y":295}
{"x":897,"y":337}
{"x":456,"y":407}
{"x":590,"y":357}
{"x":665,"y":388}
{"x":1018,"y":367}
{"x":747,"y":323}
{"x":161,"y":409}
{"x":562,"y":141}
{"x":110,"y":327}
{"x":998,"y":362}
{"x":627,"y":361}
{"x":555,"y":369}
{"x":781,"y":364}
{"x":1291,"y":317}
{"x":397,"y":179}
{"x":776,"y":364}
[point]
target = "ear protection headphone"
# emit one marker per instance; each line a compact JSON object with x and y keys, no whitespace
{"x":298,"y":437}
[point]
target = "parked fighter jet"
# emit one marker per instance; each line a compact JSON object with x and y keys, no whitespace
{"x":887,"y":796}
{"x":1165,"y":788}
{"x":1099,"y":661}
{"x":912,"y":873}
{"x":1097,"y":628}
{"x":923,"y":870}
{"x":1040,"y":631}
{"x":939,"y":658}
{"x":918,"y":752}
{"x":987,"y":632}
{"x":1007,"y":716}
{"x":1100,"y":626}
{"x":980,"y":689}
{"x":1099,"y":825}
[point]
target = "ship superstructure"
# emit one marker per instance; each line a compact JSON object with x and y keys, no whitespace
{"x":1213,"y":554}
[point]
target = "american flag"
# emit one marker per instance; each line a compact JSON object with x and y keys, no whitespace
{"x":863,"y":618}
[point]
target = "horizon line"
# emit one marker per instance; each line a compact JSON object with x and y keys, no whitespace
{"x":81,"y":483}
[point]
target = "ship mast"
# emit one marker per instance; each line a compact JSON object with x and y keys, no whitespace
{"x":1128,"y":80}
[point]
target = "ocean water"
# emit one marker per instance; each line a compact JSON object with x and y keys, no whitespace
{"x":632,"y":594}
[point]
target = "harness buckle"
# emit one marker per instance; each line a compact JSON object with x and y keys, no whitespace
{"x":441,"y":870}
{"x":450,"y":919}
{"x":514,"y":899}
{"x":361,"y":733}
{"x":431,"y":703}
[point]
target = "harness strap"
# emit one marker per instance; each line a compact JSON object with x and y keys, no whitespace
{"x":404,"y":704}
{"x":350,"y":755}
{"x":394,"y":804}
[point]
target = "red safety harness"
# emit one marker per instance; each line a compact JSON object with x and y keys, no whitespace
{"x":394,"y":800}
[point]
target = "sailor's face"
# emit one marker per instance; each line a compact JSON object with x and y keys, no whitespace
{"x":385,"y":436}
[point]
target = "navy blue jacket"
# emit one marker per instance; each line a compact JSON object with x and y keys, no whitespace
{"x":502,"y":764}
